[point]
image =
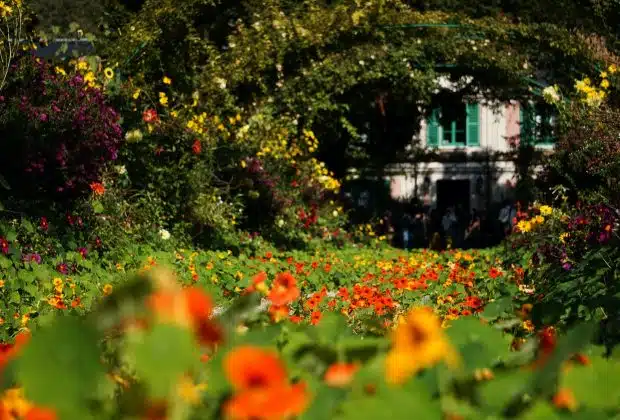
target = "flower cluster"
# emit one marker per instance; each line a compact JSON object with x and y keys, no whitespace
{"x":591,"y":94}
{"x":57,"y":132}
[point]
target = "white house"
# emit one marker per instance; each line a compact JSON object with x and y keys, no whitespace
{"x":473,"y":165}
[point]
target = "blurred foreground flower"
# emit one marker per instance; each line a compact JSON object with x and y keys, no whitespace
{"x":189,"y":307}
{"x":418,"y":343}
{"x":262,"y":388}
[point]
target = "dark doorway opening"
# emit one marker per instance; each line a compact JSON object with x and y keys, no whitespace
{"x":453,"y":192}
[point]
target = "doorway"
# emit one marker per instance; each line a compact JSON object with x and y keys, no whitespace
{"x":453,"y":192}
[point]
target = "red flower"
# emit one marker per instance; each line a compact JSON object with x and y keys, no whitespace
{"x":9,"y":351}
{"x":340,"y":375}
{"x":97,"y":188}
{"x":494,"y":273}
{"x":196,"y":147}
{"x":43,"y":224}
{"x":315,"y":317}
{"x":4,"y":246}
{"x":284,"y":289}
{"x":149,"y":116}
{"x":473,"y":302}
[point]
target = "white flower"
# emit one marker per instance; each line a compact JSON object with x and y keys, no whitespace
{"x":164,"y":234}
{"x":335,"y":213}
{"x":551,"y":94}
{"x":121,"y":170}
{"x":280,"y":222}
{"x":220,"y":82}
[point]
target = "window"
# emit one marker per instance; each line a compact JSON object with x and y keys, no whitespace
{"x":538,"y":124}
{"x":454,"y":125}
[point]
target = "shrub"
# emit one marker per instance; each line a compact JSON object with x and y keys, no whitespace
{"x":56,"y":131}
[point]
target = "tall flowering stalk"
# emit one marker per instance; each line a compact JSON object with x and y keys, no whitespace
{"x":11,"y":25}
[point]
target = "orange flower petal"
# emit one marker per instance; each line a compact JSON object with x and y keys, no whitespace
{"x":249,"y":367}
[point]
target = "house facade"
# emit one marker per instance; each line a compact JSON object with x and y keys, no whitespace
{"x":473,"y":145}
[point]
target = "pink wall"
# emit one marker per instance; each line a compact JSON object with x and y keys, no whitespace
{"x":513,"y":127}
{"x":396,"y":186}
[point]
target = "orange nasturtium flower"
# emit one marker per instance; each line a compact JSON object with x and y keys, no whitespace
{"x":418,"y":342}
{"x":97,"y":188}
{"x":9,"y":351}
{"x":339,"y":375}
{"x":189,"y":307}
{"x":258,"y":283}
{"x":284,"y":289}
{"x":262,"y":388}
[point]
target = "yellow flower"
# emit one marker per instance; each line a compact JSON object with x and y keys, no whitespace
{"x":612,"y":69}
{"x":603,"y":75}
{"x":5,"y":10}
{"x":60,"y":70}
{"x":189,"y":391}
{"x":605,"y":83}
{"x":90,"y":77}
{"x":82,"y":65}
{"x":539,"y":219}
{"x":136,"y":93}
{"x":167,"y":80}
{"x":524,"y":226}
{"x":545,"y":210}
{"x":107,"y":289}
{"x":528,"y":326}
{"x":163,"y":99}
{"x":563,"y":237}
{"x":417,"y":343}
{"x":108,"y":73}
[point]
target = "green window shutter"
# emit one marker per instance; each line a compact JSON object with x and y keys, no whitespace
{"x":432,"y":129}
{"x":528,"y":124}
{"x":473,"y":125}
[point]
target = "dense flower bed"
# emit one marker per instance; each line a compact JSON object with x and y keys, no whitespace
{"x":334,"y":334}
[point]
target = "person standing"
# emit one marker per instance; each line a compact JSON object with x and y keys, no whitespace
{"x":448,"y":223}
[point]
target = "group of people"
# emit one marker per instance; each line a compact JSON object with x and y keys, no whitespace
{"x":453,"y":227}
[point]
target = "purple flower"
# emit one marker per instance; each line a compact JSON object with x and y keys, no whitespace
{"x":567,"y":266}
{"x":32,"y":258}
{"x":43,"y":117}
{"x":62,"y":268}
{"x":83,"y":252}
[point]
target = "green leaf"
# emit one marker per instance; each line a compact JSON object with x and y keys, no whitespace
{"x":11,"y":235}
{"x":572,"y":343}
{"x":498,"y":308}
{"x":541,"y":411}
{"x":480,"y":345}
{"x":324,"y":403}
{"x":392,"y":403}
{"x":496,"y":394}
{"x":163,"y":355}
{"x":60,"y":366}
{"x":332,"y":327}
{"x":597,"y":385}
{"x":15,"y":297}
{"x":97,"y":207}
